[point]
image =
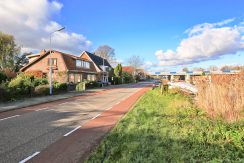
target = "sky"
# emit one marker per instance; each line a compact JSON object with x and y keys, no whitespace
{"x":167,"y":34}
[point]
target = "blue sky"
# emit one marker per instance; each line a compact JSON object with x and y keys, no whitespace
{"x":142,"y":27}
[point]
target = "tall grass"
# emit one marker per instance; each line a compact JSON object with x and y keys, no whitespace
{"x":222,"y":96}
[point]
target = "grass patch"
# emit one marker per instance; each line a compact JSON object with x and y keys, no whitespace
{"x":168,"y":128}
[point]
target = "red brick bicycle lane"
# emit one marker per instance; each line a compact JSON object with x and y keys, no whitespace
{"x":77,"y":146}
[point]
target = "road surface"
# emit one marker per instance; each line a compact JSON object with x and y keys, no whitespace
{"x":28,"y":131}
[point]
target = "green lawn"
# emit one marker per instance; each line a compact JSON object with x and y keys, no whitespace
{"x":167,"y":128}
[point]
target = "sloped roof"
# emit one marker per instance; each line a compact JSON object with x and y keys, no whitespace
{"x":69,"y":60}
{"x":98,"y":60}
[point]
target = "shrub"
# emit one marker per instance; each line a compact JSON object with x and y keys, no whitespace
{"x":21,"y":84}
{"x":3,"y":77}
{"x":117,"y":80}
{"x":42,"y":90}
{"x":92,"y":84}
{"x":40,"y":81}
{"x":60,"y":86}
{"x":222,"y":96}
{"x":80,"y":86}
{"x":128,"y":78}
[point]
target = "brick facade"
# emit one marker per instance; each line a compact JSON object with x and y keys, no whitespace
{"x":65,"y":69}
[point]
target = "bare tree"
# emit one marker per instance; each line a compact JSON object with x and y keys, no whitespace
{"x":136,"y":62}
{"x":185,"y":69}
{"x":106,"y":52}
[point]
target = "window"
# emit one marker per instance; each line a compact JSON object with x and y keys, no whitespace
{"x":78,"y":78}
{"x":91,"y":77}
{"x":52,"y":61}
{"x":87,"y":65}
{"x":78,"y":63}
{"x":71,"y":78}
{"x":83,"y":64}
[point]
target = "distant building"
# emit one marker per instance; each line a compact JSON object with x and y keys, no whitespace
{"x":128,"y":69}
{"x":140,"y":72}
{"x":188,"y":76}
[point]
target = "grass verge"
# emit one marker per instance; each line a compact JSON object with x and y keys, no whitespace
{"x":168,"y":128}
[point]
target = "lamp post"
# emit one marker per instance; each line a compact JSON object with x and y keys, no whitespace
{"x":103,"y":72}
{"x":50,"y":60}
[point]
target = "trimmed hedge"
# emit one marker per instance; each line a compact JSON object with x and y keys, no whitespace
{"x":92,"y":84}
{"x":80,"y":86}
{"x":42,"y":90}
{"x":60,"y":87}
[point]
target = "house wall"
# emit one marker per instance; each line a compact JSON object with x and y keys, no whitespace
{"x":42,"y":64}
{"x":59,"y":72}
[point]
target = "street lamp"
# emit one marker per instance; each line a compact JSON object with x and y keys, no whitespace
{"x":103,"y":72}
{"x":50,"y":60}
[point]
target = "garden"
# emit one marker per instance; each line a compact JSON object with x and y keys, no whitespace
{"x":26,"y":85}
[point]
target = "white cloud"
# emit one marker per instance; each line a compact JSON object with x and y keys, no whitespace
{"x":30,"y":22}
{"x":205,"y":42}
{"x":201,"y":27}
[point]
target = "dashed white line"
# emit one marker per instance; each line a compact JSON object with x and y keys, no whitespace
{"x":41,"y":109}
{"x":64,"y":103}
{"x":30,"y":157}
{"x":9,"y":117}
{"x":72,"y":131}
{"x":109,"y":108}
{"x":96,"y":116}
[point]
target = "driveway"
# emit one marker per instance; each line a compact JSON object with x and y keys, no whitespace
{"x":26,"y":132}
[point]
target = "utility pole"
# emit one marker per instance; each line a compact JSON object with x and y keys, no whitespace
{"x":50,"y":61}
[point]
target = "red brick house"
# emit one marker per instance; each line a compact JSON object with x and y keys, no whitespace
{"x":140,"y":72}
{"x":128,"y":69}
{"x":69,"y":68}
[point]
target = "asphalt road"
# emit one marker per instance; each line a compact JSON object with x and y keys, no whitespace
{"x":24,"y":135}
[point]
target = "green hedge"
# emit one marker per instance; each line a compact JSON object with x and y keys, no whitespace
{"x":42,"y":90}
{"x":60,"y":87}
{"x":92,"y":84}
{"x":27,"y":86}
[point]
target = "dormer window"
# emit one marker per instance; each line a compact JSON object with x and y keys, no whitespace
{"x":78,"y":63}
{"x":83,"y":64}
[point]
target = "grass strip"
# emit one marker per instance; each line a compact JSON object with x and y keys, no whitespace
{"x":168,"y":128}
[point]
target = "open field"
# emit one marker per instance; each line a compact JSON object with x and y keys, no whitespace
{"x":168,"y":128}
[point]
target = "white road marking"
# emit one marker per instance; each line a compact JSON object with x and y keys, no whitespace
{"x":30,"y":157}
{"x":117,"y":103}
{"x":64,"y":103}
{"x":9,"y":117}
{"x":72,"y":131}
{"x":41,"y":109}
{"x":96,"y":116}
{"x":109,"y":108}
